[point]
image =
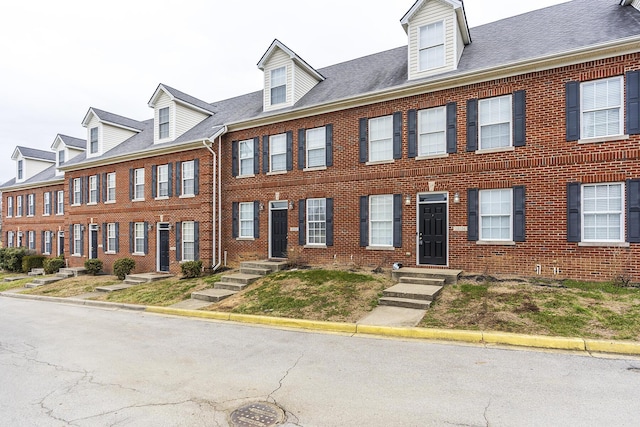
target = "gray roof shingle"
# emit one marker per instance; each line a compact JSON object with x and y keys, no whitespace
{"x":118,"y":120}
{"x":70,"y":141}
{"x":34,"y":153}
{"x":181,"y":96}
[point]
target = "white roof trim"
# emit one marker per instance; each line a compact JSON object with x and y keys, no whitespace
{"x":457,"y":5}
{"x":16,"y":153}
{"x":294,"y":57}
{"x":161,"y":89}
{"x":87,"y":119}
{"x":57,"y":142}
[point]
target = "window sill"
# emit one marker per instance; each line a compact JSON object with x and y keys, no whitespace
{"x":380,"y":162}
{"x":46,"y":214}
{"x":76,"y":204}
{"x":186,"y":196}
{"x":46,"y":253}
{"x":316,"y":247}
{"x":60,"y":214}
{"x":137,"y":200}
{"x":92,"y":203}
{"x":185,"y":260}
{"x":110,"y":253}
{"x":29,"y":216}
{"x":314,"y":168}
{"x":245,"y":176}
{"x":76,"y":255}
{"x":109,"y":202}
{"x":245,"y":239}
{"x":603,"y":139}
{"x":604,"y":244}
{"x":433,"y":156}
{"x":496,"y":242}
{"x":137,"y":254}
{"x":161,"y":198}
{"x":276,"y":173}
{"x":495,"y":150}
{"x":380,"y":248}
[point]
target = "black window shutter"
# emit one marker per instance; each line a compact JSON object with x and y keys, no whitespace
{"x":633,"y":102}
{"x":289,"y":150}
{"x":452,"y":127}
{"x":412,"y":124}
{"x":54,"y":202}
{"x":35,"y":202}
{"x":131,"y":237}
{"x":301,"y":148}
{"x":302,"y":226}
{"x":329,"y":206}
{"x":329,"y":146}
{"x":117,"y":237}
{"x":178,"y":241}
{"x":256,"y":219}
{"x":105,"y":246}
{"x":42,"y":242}
{"x":81,"y":241}
{"x":573,"y":212}
{"x":519,"y":118}
{"x":70,"y":191}
{"x":234,"y":159}
{"x":633,"y":210}
{"x":196,"y":176}
{"x":104,"y":187}
{"x":572,"y":95}
{"x":146,"y":237}
{"x":170,"y":179}
{"x":178,"y":178}
{"x":397,"y":220}
{"x":472,"y":125}
{"x":234,"y":221}
{"x":83,"y":189}
{"x":265,"y":154}
{"x":98,"y":192}
{"x":364,"y":221}
{"x":363,"y":138}
{"x":472,"y":214}
{"x":519,"y":225}
{"x":196,"y":242}
{"x":131,"y":184}
{"x":154,"y":181}
{"x":397,"y":135}
{"x":72,"y":241}
{"x":256,"y":155}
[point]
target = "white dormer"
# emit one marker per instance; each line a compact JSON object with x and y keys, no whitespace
{"x":175,"y":113}
{"x":106,"y":130}
{"x":287,"y":77}
{"x":438,"y":32}
{"x":30,"y":162}
{"x":66,"y":148}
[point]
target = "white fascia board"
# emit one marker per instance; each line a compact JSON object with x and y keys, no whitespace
{"x":156,"y":93}
{"x":16,"y":153}
{"x":87,"y":117}
{"x":56,"y":143}
{"x":456,"y":4}
{"x":292,"y":55}
{"x":32,"y":185}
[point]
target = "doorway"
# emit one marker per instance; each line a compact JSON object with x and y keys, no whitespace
{"x":279,"y":211}
{"x":432,"y":229}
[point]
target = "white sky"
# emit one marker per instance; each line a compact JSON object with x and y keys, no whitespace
{"x":58,"y":58}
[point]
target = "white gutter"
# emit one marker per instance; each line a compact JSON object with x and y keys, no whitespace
{"x":217,"y":169}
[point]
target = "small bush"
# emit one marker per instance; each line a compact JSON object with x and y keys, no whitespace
{"x":93,"y":266}
{"x":30,"y":262}
{"x":191,"y":269}
{"x":123,"y":266}
{"x":11,"y":259}
{"x":53,"y":265}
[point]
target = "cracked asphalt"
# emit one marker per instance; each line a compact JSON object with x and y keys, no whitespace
{"x":67,"y":365}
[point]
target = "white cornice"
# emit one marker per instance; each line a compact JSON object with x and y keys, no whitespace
{"x":32,"y":185}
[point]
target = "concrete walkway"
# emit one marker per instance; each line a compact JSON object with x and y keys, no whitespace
{"x":393,"y":316}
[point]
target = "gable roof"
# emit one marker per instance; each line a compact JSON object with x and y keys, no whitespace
{"x":112,"y":119}
{"x":70,"y":141}
{"x":277,"y":44}
{"x":45,"y":177}
{"x":457,"y":5}
{"x":181,"y":98}
{"x":33,"y":153}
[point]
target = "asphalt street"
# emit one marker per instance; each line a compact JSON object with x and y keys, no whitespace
{"x":74,"y":365}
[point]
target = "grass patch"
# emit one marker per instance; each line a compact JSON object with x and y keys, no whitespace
{"x":73,"y":286}
{"x":5,"y":286}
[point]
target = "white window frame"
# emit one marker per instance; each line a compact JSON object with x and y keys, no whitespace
{"x":386,"y":138}
{"x":435,"y":46}
{"x":374,"y":239}
{"x":46,"y":203}
{"x":245,"y":220}
{"x":163,"y":123}
{"x":10,"y":207}
{"x":489,"y":121}
{"x":47,"y":243}
{"x":437,"y":131}
{"x":138,"y":184}
{"x":61,"y":157}
{"x":316,"y":141}
{"x":483,"y":194}
{"x":19,"y":239}
{"x":60,"y":195}
{"x":19,"y":206}
{"x":138,"y":238}
{"x":31,"y":204}
{"x":20,"y":173}
{"x":188,"y":240}
{"x":77,"y":191}
{"x":31,"y":236}
{"x":111,"y":187}
{"x":162,"y":177}
{"x":10,"y":239}
{"x":316,"y":222}
{"x":93,"y":139}
{"x":111,"y":237}
{"x":621,"y":213}
{"x":93,"y":189}
{"x":188,"y":178}
{"x":280,"y":138}
{"x":278,"y":80}
{"x":246,"y":157}
{"x":619,"y":106}
{"x":77,"y":240}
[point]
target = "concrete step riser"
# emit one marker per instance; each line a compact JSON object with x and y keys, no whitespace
{"x":404,"y":304}
{"x":408,"y":296}
{"x":229,"y":286}
{"x":272,"y":267}
{"x":422,"y":281}
{"x":134,"y":282}
{"x":449,"y":280}
{"x":258,"y":271}
{"x":31,"y":285}
{"x":237,"y":280}
{"x":208,"y":297}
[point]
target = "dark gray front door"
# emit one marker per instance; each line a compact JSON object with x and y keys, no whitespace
{"x":163,"y":250}
{"x":279,"y":233}
{"x":432,"y":234}
{"x":94,"y":243}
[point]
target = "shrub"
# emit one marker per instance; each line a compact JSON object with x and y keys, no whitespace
{"x":93,"y":266}
{"x":53,"y":265}
{"x":123,"y":266}
{"x":30,"y":262}
{"x":191,"y":269}
{"x":11,"y":259}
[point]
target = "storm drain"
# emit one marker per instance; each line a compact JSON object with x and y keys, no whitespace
{"x":258,"y":414}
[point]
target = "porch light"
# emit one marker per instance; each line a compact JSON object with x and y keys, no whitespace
{"x":407,"y":199}
{"x":261,"y":207}
{"x":456,"y":198}
{"x":290,"y":204}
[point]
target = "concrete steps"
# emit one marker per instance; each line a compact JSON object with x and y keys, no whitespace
{"x":417,"y":287}
{"x":42,"y":281}
{"x":450,"y":276}
{"x":133,"y":280}
{"x":71,"y":272}
{"x":212,"y":295}
{"x":113,"y":288}
{"x":404,"y":302}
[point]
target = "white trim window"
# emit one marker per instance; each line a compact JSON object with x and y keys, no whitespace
{"x":138,"y":184}
{"x":381,"y":139}
{"x":111,"y":187}
{"x":46,"y":203}
{"x":601,"y":107}
{"x":316,"y":221}
{"x":163,"y":181}
{"x":316,"y":143}
{"x":77,"y":240}
{"x":245,"y":157}
{"x":19,"y":239}
{"x":381,"y":220}
{"x":47,"y":242}
{"x":61,"y":157}
{"x":163,"y":123}
{"x":494,"y":120}
{"x":245,"y":215}
{"x":496,"y":208}
{"x":279,"y":85}
{"x":278,"y":152}
{"x":93,"y":189}
{"x":20,"y":170}
{"x":77,"y":191}
{"x":31,"y":205}
{"x":32,"y":240}
{"x":18,"y":206}
{"x":9,"y":206}
{"x":60,"y":210}
{"x":10,"y":239}
{"x":93,"y":141}
{"x":431,"y":50}
{"x":603,"y":212}
{"x":111,"y":237}
{"x":432,"y":126}
{"x":188,"y":178}
{"x":138,"y":248}
{"x":188,"y":241}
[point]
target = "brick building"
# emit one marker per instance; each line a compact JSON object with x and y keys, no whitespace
{"x":507,"y":148}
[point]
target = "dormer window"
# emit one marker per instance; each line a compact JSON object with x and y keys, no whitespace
{"x":163,"y":123}
{"x":60,"y":157}
{"x":432,"y":46}
{"x":278,"y":85}
{"x":20,"y":169}
{"x":93,"y":146}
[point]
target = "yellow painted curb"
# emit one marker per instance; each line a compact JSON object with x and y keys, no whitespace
{"x":436,"y":334}
{"x":188,"y":313}
{"x":294,"y":323}
{"x":558,"y":343}
{"x":620,"y":347}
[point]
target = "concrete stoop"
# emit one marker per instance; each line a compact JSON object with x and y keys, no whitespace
{"x":417,"y":287}
{"x":131,"y":280}
{"x":230,"y":284}
{"x":42,"y":281}
{"x":71,"y":272}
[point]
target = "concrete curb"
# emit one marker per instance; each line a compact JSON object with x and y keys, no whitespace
{"x":74,"y":301}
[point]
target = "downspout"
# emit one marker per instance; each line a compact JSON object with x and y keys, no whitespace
{"x":215,"y":265}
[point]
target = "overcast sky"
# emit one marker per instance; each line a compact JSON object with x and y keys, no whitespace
{"x":58,"y":58}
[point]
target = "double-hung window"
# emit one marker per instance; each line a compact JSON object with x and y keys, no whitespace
{"x":111,"y":187}
{"x":163,"y":181}
{"x":316,"y":221}
{"x":601,"y":107}
{"x":381,"y":220}
{"x":77,"y":191}
{"x":60,"y":210}
{"x":18,"y":205}
{"x":245,"y":212}
{"x":246,"y":156}
{"x":188,"y":241}
{"x":31,"y":205}
{"x":20,"y":170}
{"x":111,"y":237}
{"x":188,"y":178}
{"x":139,"y":238}
{"x":138,"y":190}
{"x":47,"y":203}
{"x":431,"y":46}
{"x":77,"y":239}
{"x":47,"y":242}
{"x":19,"y":239}
{"x":163,"y":123}
{"x":316,"y":142}
{"x":603,"y":213}
{"x":61,"y":158}
{"x":278,"y":152}
{"x":381,"y":139}
{"x":495,"y":214}
{"x":494,"y":117}
{"x":93,"y":143}
{"x":10,"y":237}
{"x":279,"y":85}
{"x":32,"y":240}
{"x":9,"y":207}
{"x":93,"y":189}
{"x":432,"y":131}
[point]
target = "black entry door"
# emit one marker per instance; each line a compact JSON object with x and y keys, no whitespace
{"x":432,"y":235}
{"x":279,"y":233}
{"x":60,"y":243}
{"x":94,"y":244}
{"x":163,"y":252}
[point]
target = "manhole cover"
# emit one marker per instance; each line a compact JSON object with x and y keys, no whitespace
{"x":259,"y":414}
